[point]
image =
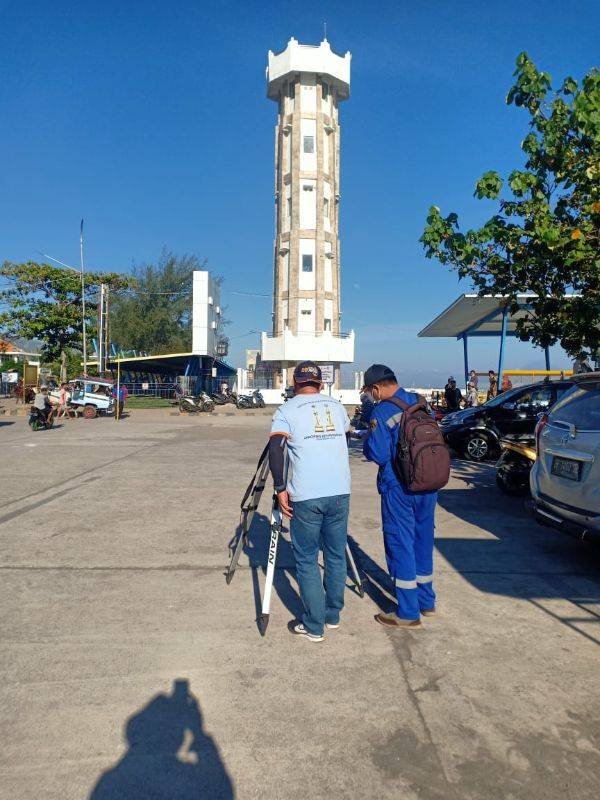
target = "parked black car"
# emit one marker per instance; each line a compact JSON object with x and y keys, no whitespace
{"x":476,"y":432}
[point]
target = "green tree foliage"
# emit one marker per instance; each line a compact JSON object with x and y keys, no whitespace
{"x":156,"y":315}
{"x":44,"y":302}
{"x":545,"y":236}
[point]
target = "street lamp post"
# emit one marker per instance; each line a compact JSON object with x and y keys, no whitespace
{"x":83,"y":300}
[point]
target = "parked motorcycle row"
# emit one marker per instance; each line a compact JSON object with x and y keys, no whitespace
{"x":192,"y":404}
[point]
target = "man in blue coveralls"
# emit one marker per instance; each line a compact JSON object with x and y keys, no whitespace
{"x":407,"y":517}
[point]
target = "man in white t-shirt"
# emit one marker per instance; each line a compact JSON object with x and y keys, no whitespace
{"x":315,"y":497}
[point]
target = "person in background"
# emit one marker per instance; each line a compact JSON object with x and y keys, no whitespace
{"x":452,"y":395}
{"x":42,"y":403}
{"x":120,"y":394}
{"x":316,"y":498}
{"x":506,"y":383}
{"x":493,"y":389}
{"x":63,"y":399}
{"x":472,"y":398}
{"x":473,"y":379}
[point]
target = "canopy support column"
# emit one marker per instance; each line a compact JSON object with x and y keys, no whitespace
{"x":502,"y":343}
{"x":466,"y":358}
{"x":547,"y":355}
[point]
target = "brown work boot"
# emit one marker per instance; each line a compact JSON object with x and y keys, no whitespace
{"x":393,"y":621}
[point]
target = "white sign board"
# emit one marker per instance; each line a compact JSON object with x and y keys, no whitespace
{"x":327,"y":373}
{"x":13,"y":377}
{"x":145,"y":387}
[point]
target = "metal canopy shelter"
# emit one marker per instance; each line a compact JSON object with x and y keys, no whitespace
{"x":473,"y":315}
{"x":190,"y":364}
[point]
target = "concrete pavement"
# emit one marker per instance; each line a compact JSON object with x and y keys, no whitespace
{"x":130,"y":670}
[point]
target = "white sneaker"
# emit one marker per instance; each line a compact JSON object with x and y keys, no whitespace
{"x":298,"y":628}
{"x":332,"y":626}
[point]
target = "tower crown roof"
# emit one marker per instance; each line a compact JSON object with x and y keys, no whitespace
{"x":319,"y":59}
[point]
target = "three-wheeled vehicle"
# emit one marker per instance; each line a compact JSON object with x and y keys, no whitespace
{"x":92,"y":395}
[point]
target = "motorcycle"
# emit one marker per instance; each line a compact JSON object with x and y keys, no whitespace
{"x":37,"y":420}
{"x":254,"y":400}
{"x":514,"y":465}
{"x":222,"y":398}
{"x":193,"y":404}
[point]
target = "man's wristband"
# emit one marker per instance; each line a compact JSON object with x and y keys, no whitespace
{"x":279,"y":489}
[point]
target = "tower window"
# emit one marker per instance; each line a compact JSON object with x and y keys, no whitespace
{"x":327,"y":324}
{"x":289,"y":207}
{"x":306,"y":312}
{"x":307,"y":263}
{"x":309,"y":144}
{"x":325,"y":206}
{"x":291,"y":90}
{"x":325,"y":91}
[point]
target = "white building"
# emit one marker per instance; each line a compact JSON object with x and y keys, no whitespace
{"x":206,"y":314}
{"x":308,"y":83}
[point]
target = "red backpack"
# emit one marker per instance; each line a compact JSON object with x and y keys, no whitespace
{"x":422,"y":459}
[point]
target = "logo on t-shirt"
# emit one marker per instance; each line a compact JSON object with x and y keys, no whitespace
{"x":319,"y":427}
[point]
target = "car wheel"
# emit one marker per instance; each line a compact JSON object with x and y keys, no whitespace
{"x":477,"y":447}
{"x":90,"y":412}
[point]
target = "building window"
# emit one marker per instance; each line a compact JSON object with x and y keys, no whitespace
{"x":291,"y":90}
{"x":309,"y":144}
{"x":286,"y":322}
{"x":306,"y":312}
{"x":289,"y":207}
{"x":325,"y":206}
{"x":325,"y":91}
{"x":327,"y":323}
{"x":307,"y":262}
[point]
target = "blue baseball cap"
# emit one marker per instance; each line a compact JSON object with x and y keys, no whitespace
{"x":307,"y":372}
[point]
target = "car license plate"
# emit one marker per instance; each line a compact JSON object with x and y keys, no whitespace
{"x":566,"y":468}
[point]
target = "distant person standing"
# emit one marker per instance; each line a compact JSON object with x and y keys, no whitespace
{"x":472,"y":397}
{"x":473,"y":379}
{"x":493,"y":389}
{"x":452,"y":395}
{"x":120,"y":393}
{"x":506,"y":383}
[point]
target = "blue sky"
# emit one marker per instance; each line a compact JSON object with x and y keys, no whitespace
{"x":150,"y":120}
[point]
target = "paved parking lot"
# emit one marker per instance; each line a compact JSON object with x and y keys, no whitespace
{"x":130,"y":670}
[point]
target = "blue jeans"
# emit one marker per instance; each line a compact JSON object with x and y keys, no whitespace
{"x":322,"y":522}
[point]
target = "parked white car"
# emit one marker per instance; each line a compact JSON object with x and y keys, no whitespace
{"x":565,"y":479}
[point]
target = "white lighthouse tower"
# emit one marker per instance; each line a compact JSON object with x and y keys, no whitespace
{"x":308,"y":83}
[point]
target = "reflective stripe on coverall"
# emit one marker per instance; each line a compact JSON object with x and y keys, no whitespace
{"x":407,"y":517}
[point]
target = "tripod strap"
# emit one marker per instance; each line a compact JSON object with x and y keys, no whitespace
{"x":250,"y":488}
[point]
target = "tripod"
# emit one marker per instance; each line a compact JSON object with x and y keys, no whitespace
{"x":248,"y":506}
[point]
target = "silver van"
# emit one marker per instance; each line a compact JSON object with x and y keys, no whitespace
{"x":565,"y":479}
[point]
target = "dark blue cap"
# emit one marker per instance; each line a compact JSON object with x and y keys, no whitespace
{"x":377,"y":373}
{"x":307,"y":372}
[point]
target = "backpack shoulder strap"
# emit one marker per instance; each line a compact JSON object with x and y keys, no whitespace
{"x":397,"y":402}
{"x":395,"y":418}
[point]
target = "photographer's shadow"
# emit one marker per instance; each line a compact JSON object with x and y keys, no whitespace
{"x":170,"y":757}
